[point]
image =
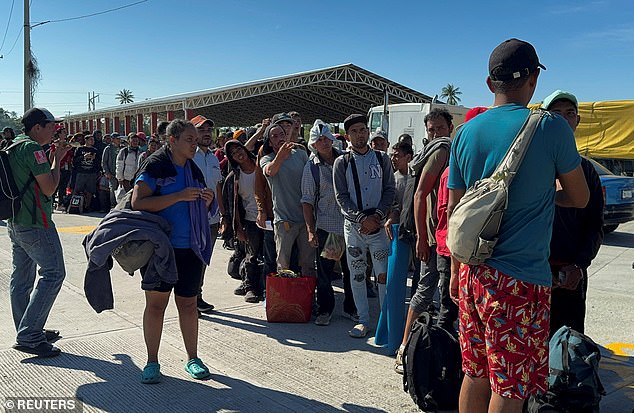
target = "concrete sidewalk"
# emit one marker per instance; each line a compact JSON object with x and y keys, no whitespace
{"x":257,"y":366}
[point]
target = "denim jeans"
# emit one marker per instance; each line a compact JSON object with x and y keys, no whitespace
{"x":268,"y":253}
{"x":33,"y":247}
{"x":255,"y":239}
{"x":357,"y":246}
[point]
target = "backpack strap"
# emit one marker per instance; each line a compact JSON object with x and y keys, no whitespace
{"x":357,"y":185}
{"x":507,"y":169}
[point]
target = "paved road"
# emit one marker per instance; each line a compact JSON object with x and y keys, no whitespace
{"x":257,"y":366}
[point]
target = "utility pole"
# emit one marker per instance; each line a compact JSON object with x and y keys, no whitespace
{"x":28,"y":99}
{"x":91,"y":100}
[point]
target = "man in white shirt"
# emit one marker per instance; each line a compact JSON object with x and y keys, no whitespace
{"x":208,"y":163}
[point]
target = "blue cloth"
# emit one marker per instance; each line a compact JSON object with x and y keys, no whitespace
{"x":200,"y":236}
{"x":391,"y":325}
{"x":523,"y":247}
{"x":177,"y":214}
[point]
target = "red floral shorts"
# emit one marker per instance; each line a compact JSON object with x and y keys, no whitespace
{"x":504,"y":326}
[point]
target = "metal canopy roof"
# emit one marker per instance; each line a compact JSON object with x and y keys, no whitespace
{"x":330,"y":94}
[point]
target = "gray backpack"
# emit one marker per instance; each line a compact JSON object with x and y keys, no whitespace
{"x":474,"y":226}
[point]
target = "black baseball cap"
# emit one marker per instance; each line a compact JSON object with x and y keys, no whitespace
{"x":513,"y":59}
{"x":354,"y":118}
{"x":281,"y":117}
{"x":35,"y":116}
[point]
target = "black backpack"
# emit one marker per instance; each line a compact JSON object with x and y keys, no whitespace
{"x":573,"y":382}
{"x":10,"y":194}
{"x":432,"y":366}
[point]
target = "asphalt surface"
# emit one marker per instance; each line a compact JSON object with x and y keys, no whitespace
{"x":256,"y":366}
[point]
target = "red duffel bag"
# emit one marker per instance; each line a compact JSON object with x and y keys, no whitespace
{"x":289,"y":300}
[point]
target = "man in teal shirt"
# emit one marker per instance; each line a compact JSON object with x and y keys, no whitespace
{"x":34,"y":239}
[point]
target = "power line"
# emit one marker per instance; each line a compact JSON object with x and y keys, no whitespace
{"x":8,"y":23}
{"x":16,"y":41}
{"x":88,"y":15}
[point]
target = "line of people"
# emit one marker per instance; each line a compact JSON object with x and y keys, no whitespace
{"x":282,"y":198}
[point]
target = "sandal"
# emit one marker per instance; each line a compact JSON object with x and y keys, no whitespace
{"x":197,"y":369}
{"x":151,"y":373}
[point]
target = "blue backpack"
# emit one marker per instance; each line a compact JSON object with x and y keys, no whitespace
{"x":574,"y":385}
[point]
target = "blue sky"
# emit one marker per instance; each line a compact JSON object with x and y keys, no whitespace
{"x":162,"y":47}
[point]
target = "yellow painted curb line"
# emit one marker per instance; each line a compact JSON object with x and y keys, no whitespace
{"x":619,"y":349}
{"x":77,"y":230}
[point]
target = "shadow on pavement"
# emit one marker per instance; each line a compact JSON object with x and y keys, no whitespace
{"x":619,"y":239}
{"x":122,"y":392}
{"x":307,"y":336}
{"x":617,"y":375}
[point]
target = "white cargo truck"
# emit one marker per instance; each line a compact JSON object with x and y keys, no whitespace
{"x":408,"y":118}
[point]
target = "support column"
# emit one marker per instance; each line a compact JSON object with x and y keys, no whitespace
{"x":117,"y":125}
{"x":77,"y":126}
{"x":128,"y":124}
{"x":98,"y":125}
{"x":106,"y":120}
{"x":139,"y":122}
{"x":189,"y":113}
{"x":91,"y":125}
{"x":70,"y":127}
{"x":170,"y":115}
{"x":83,"y":125}
{"x":153,"y":122}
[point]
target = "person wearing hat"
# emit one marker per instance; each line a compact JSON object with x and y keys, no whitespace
{"x":242,"y":211}
{"x":109,"y":165}
{"x":127,"y":161}
{"x":34,"y":239}
{"x":379,"y":142}
{"x":282,"y":164}
{"x":364,"y":189}
{"x":577,"y":234}
{"x":208,"y":163}
{"x":323,"y":218}
{"x":504,"y":337}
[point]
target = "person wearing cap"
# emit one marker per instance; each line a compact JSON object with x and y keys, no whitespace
{"x":379,"y":142}
{"x":242,"y":212}
{"x":364,"y":189}
{"x":577,"y":234}
{"x":504,"y":303}
{"x":86,"y":167}
{"x":109,"y":165}
{"x":323,"y":218}
{"x":208,"y":163}
{"x":34,"y":239}
{"x":127,"y":161}
{"x":283,"y":164}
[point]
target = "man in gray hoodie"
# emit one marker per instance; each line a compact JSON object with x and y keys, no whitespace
{"x":364,"y":188}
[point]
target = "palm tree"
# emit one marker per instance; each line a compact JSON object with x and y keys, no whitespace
{"x":125,"y":96}
{"x":451,"y":93}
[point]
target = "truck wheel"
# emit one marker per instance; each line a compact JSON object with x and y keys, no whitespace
{"x":609,"y":228}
